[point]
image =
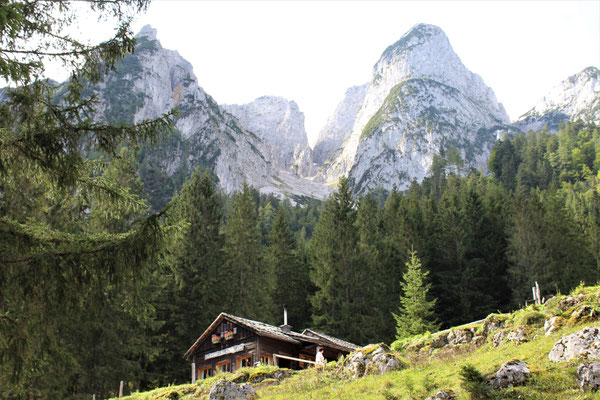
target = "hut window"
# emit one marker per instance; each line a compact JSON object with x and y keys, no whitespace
{"x":224,"y":366}
{"x":204,"y":373}
{"x":245,"y":361}
{"x":266,"y":360}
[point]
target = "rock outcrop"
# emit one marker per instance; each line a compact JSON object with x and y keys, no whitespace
{"x":255,"y":377}
{"x":552,"y":324}
{"x":583,"y":343}
{"x":339,"y":125}
{"x":451,"y":340}
{"x":575,"y":98}
{"x":460,"y":336}
{"x":445,"y":394}
{"x":588,"y":376}
{"x":518,"y":336}
{"x":511,"y":373}
{"x":371,"y":360}
{"x":498,"y":338}
{"x":421,"y":100}
{"x":224,"y":390}
{"x":280,"y":124}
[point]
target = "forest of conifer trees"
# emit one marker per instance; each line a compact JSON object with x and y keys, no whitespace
{"x":338,"y":265}
{"x":95,"y":288}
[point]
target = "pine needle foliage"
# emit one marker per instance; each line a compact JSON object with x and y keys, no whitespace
{"x":474,"y":383}
{"x":75,"y":236}
{"x":416,"y":315}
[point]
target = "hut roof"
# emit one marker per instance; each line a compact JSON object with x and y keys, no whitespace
{"x":274,"y":332}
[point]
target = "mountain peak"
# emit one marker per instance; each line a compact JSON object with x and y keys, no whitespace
{"x":420,"y":99}
{"x":276,"y":100}
{"x":147,"y":32}
{"x":277,"y":121}
{"x":417,"y":35}
{"x":591,"y":72}
{"x":577,"y":97}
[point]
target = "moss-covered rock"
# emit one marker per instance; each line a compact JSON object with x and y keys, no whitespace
{"x":371,"y":360}
{"x":531,"y":318}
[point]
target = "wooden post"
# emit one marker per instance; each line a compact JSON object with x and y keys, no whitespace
{"x":537,"y":291}
{"x":193,"y":372}
{"x":121,"y":389}
{"x":94,"y":396}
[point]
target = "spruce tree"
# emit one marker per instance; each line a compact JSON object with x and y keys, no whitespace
{"x":74,"y":235}
{"x":335,"y":269}
{"x":189,"y":294}
{"x":292,"y":283}
{"x":416,"y":313}
{"x":374,"y":274}
{"x":198,"y":268}
{"x":447,"y":265}
{"x":544,"y":245}
{"x":251,"y":281}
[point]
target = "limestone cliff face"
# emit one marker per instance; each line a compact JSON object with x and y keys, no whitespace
{"x":153,"y":81}
{"x":339,"y":125}
{"x":577,"y":97}
{"x":280,"y":124}
{"x":421,"y":100}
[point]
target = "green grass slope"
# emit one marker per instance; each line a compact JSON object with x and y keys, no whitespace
{"x":431,"y":367}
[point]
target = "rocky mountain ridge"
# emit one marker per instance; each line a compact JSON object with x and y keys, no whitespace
{"x":280,"y":124}
{"x":339,"y":124}
{"x":154,"y":80}
{"x":577,"y":97}
{"x":421,"y":100}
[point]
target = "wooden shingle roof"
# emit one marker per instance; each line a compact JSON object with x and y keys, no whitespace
{"x":274,"y":332}
{"x":333,"y":341}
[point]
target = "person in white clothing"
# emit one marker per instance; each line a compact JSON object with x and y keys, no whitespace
{"x":320,"y":359}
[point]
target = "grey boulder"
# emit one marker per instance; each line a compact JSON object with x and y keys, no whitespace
{"x":588,"y":376}
{"x":511,"y":373}
{"x":584,"y":343}
{"x":223,"y":390}
{"x":445,"y":394}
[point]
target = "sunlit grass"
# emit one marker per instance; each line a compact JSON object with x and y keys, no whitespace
{"x":428,"y":371}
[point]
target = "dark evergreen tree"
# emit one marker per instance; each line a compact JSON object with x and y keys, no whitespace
{"x":251,"y":281}
{"x":189,"y":295}
{"x":544,"y":246}
{"x":372,"y":273}
{"x":492,"y":240}
{"x":504,"y":163}
{"x":72,"y":233}
{"x":468,"y":268}
{"x":476,"y":278}
{"x":334,"y":268}
{"x":292,"y":282}
{"x":449,"y":248}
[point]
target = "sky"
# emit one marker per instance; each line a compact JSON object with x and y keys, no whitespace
{"x":312,"y":51}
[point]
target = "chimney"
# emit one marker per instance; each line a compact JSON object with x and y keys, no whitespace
{"x":285,"y":327}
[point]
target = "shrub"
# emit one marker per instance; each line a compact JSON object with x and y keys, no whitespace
{"x":474,"y":383}
{"x":532,"y":318}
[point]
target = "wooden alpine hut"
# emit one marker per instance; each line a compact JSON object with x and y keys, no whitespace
{"x":232,"y":342}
